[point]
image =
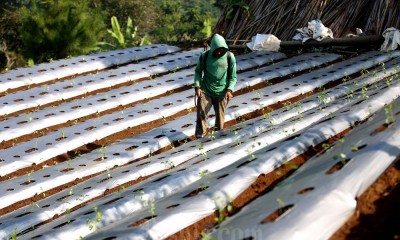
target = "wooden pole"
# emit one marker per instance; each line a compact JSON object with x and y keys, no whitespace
{"x":362,"y":41}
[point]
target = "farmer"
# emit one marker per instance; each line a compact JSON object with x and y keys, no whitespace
{"x":214,"y":80}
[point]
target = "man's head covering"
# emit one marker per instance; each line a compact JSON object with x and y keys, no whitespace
{"x":218,"y":42}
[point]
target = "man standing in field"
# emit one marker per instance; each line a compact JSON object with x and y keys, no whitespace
{"x":214,"y":80}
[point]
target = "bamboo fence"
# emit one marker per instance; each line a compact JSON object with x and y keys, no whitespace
{"x":283,"y":17}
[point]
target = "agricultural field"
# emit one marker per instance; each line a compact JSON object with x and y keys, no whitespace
{"x":102,"y":147}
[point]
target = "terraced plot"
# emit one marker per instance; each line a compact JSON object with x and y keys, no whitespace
{"x":102,"y":146}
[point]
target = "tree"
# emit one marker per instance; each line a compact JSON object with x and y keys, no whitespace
{"x":190,"y":20}
{"x":10,"y":41}
{"x":56,"y":29}
{"x":170,"y":12}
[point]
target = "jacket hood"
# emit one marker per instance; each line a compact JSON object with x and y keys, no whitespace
{"x":217,"y":42}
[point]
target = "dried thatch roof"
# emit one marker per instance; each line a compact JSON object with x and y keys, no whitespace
{"x":283,"y":17}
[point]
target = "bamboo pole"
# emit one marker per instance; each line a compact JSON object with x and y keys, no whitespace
{"x":283,"y":17}
{"x":362,"y":41}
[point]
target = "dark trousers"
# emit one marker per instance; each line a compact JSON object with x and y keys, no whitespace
{"x":204,"y":105}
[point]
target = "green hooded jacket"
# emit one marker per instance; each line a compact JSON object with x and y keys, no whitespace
{"x":216,"y":80}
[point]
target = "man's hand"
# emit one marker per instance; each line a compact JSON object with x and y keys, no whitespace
{"x":228,"y":95}
{"x":199,"y":93}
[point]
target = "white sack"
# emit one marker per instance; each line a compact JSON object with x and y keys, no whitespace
{"x":392,"y":39}
{"x":266,"y":42}
{"x":315,"y":30}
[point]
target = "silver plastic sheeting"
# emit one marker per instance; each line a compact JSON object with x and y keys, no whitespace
{"x":66,"y":67}
{"x":319,"y":198}
{"x":80,"y":85}
{"x":29,"y":122}
{"x":119,"y":154}
{"x":170,"y":181}
{"x":204,"y":163}
{"x":63,"y":140}
{"x":231,"y":181}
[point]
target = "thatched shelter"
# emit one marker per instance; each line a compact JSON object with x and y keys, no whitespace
{"x":283,"y":17}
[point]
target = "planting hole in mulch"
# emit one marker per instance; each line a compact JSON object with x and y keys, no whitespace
{"x":277,"y":213}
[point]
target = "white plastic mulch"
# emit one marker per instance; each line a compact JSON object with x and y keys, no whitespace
{"x":66,"y":67}
{"x":222,"y":166}
{"x":29,"y":122}
{"x":42,"y":148}
{"x":239,"y":172}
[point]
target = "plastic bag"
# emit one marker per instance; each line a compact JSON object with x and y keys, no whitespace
{"x":392,"y":39}
{"x":315,"y":30}
{"x":266,"y":42}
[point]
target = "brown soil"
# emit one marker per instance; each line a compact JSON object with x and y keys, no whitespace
{"x":378,"y":209}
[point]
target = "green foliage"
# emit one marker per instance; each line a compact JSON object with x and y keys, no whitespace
{"x":58,"y":29}
{"x":206,"y":176}
{"x":171,"y":11}
{"x":10,"y":41}
{"x":389,"y":114}
{"x":92,"y":222}
{"x":233,"y":5}
{"x":142,"y":12}
{"x":127,"y":39}
{"x":181,"y":20}
{"x":14,"y":234}
{"x":140,"y":15}
{"x":207,"y":30}
{"x":34,"y":31}
{"x":116,"y":31}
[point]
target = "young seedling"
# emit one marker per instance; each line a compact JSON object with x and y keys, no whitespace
{"x":68,"y":212}
{"x":222,"y":212}
{"x":202,"y":152}
{"x":168,"y":164}
{"x":206,"y":177}
{"x":287,"y":105}
{"x":102,"y":152}
{"x":291,"y":165}
{"x":29,"y":175}
{"x":349,"y":94}
{"x":299,"y":109}
{"x":326,"y":146}
{"x":364,"y":91}
{"x":346,"y":78}
{"x":108,"y":173}
{"x":354,"y":148}
{"x":389,"y":81}
{"x":280,"y":202}
{"x":212,"y":134}
{"x":121,"y":189}
{"x":364,"y":72}
{"x":152,"y":208}
{"x":389,"y":113}
{"x":250,"y":153}
{"x":92,"y":223}
{"x":342,"y":155}
{"x":266,"y":115}
{"x":323,"y":98}
{"x":383,"y":67}
{"x":207,"y":236}
{"x":14,"y":234}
